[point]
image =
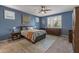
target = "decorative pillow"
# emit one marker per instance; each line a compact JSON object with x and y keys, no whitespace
{"x":30,"y":28}
{"x":24,"y":28}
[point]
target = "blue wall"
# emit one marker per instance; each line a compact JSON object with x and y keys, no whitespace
{"x":43,"y":22}
{"x":66,"y":21}
{"x":7,"y":24}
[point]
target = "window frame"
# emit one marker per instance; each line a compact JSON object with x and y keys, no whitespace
{"x":51,"y":21}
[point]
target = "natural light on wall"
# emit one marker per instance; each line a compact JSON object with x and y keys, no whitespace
{"x":54,"y":22}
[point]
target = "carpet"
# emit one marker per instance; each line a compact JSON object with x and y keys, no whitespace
{"x":24,"y":46}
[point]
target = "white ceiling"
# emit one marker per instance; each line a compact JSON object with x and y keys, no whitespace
{"x":34,"y":9}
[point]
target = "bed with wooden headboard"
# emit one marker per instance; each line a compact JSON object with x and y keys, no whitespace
{"x":32,"y":34}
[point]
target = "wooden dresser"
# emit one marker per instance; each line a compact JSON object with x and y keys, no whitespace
{"x":53,"y":31}
{"x":70,"y":36}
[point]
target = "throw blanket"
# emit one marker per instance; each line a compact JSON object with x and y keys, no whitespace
{"x":29,"y":35}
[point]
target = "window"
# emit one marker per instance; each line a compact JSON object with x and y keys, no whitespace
{"x":9,"y":14}
{"x":54,"y":22}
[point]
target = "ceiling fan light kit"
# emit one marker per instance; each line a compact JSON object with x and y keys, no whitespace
{"x":42,"y":12}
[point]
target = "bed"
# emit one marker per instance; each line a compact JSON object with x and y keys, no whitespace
{"x":34,"y":35}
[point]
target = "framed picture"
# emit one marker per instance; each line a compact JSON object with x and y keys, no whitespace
{"x":25,"y":19}
{"x":9,"y":14}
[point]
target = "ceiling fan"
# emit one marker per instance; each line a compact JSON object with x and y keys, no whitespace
{"x":44,"y":9}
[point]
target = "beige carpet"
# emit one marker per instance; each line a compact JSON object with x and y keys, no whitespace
{"x":24,"y":45}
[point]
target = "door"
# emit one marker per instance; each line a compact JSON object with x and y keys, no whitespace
{"x":76,"y":30}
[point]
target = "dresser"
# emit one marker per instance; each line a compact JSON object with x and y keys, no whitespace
{"x":70,"y":36}
{"x":53,"y":31}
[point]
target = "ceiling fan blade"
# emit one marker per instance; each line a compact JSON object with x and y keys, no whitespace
{"x":47,"y":10}
{"x":42,"y":6}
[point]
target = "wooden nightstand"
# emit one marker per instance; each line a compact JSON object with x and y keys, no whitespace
{"x":70,"y":36}
{"x":15,"y":36}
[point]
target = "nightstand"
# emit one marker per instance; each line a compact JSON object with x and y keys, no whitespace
{"x":70,"y":36}
{"x":15,"y":35}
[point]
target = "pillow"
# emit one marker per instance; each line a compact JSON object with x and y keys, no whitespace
{"x":24,"y":28}
{"x":30,"y":28}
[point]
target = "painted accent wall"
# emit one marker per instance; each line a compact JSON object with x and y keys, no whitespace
{"x":43,"y":22}
{"x":66,"y":21}
{"x":6,"y":24}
